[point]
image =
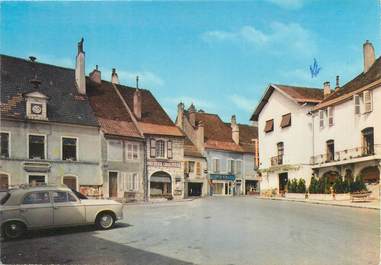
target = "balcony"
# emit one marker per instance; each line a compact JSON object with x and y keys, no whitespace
{"x":277,"y":160}
{"x":347,"y":154}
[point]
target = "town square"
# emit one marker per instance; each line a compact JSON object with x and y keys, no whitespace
{"x":137,"y":132}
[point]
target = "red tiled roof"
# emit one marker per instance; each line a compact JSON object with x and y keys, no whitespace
{"x":157,"y":129}
{"x":218,"y":135}
{"x":190,"y":149}
{"x":119,"y":128}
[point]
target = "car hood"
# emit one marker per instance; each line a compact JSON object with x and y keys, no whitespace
{"x":99,"y":202}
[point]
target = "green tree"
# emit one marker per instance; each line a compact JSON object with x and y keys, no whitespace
{"x":301,"y":188}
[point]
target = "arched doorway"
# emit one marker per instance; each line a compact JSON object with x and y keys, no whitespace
{"x":4,"y":181}
{"x":370,"y":174}
{"x":160,"y":184}
{"x":70,"y":181}
{"x":331,"y":175}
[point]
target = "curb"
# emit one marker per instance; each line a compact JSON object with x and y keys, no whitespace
{"x":158,"y":202}
{"x":321,"y":203}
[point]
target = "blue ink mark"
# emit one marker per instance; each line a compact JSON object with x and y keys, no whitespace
{"x":315,"y":69}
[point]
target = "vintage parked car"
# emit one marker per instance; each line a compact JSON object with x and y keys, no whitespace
{"x":29,"y":208}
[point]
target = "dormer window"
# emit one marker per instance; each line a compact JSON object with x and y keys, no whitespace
{"x":36,"y":105}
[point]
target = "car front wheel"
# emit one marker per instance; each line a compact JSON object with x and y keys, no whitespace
{"x":13,"y":230}
{"x":105,"y":220}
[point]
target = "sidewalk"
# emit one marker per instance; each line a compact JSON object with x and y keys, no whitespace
{"x":160,"y":201}
{"x":373,"y":204}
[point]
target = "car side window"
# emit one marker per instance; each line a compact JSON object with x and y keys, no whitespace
{"x":37,"y":198}
{"x":62,"y":196}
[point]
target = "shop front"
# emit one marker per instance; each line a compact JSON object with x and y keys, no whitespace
{"x":221,"y":184}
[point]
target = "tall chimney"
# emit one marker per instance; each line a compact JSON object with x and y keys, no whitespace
{"x":138,"y":104}
{"x":200,"y":136}
{"x":192,"y":115}
{"x":326,"y":89}
{"x":180,"y":115}
{"x":337,"y":83}
{"x":95,"y":75}
{"x":369,"y":56}
{"x":114,"y":77}
{"x":235,"y":130}
{"x":80,"y":78}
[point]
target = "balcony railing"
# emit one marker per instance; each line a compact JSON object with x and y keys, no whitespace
{"x":277,"y":160}
{"x":346,"y":154}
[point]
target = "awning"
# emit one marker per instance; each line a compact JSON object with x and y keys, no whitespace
{"x":164,"y":179}
{"x":222,"y":177}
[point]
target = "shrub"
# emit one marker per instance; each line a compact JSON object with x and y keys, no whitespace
{"x":301,"y":186}
{"x":358,"y":185}
{"x":296,"y":186}
{"x":314,"y":185}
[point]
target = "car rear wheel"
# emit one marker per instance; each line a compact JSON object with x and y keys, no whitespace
{"x":13,"y":230}
{"x":105,"y":220}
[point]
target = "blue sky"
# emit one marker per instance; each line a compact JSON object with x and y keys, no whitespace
{"x":218,"y":55}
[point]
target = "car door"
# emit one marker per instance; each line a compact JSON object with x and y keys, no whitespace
{"x":37,"y":209}
{"x":67,"y":209}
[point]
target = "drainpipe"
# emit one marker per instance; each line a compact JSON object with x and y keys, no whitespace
{"x":145,"y":172}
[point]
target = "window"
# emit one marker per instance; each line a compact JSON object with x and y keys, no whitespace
{"x":321,"y":118}
{"x":269,"y":127}
{"x":216,"y":165}
{"x":69,"y":149}
{"x":36,"y":179}
{"x":330,"y":150}
{"x":280,"y":151}
{"x":356,"y":99}
{"x":36,"y":147}
{"x":286,"y":120}
{"x":160,"y":149}
{"x":132,"y":182}
{"x":231,"y":166}
{"x":238,"y":166}
{"x":198,"y":168}
{"x":37,"y":198}
{"x":132,"y":151}
{"x":191,"y":166}
{"x":114,"y":150}
{"x":368,"y":106}
{"x":368,"y":141}
{"x":60,"y":196}
{"x":330,"y":116}
{"x":4,"y":139}
{"x":169,"y":149}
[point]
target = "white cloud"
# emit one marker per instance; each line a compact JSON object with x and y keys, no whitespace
{"x":282,"y":37}
{"x":243,"y":103}
{"x":288,"y":4}
{"x":147,"y":79}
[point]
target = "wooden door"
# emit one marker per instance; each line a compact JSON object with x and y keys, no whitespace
{"x":113,"y":184}
{"x":3,"y":182}
{"x":71,"y":182}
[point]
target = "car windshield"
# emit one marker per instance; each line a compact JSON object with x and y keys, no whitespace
{"x":79,"y":195}
{"x":4,"y":196}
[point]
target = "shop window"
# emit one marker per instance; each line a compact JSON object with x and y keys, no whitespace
{"x":160,"y":149}
{"x":132,"y":151}
{"x":36,"y":147}
{"x":115,"y":150}
{"x":269,"y":126}
{"x":69,"y":149}
{"x":198,"y":168}
{"x":368,"y":141}
{"x":330,"y":150}
{"x":4,"y":139}
{"x":286,"y":120}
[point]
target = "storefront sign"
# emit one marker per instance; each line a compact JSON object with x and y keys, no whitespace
{"x":221,"y":177}
{"x":163,"y":164}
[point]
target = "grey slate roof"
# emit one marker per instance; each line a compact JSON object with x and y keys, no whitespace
{"x":64,"y":104}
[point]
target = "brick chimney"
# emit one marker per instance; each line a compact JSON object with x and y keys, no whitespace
{"x":180,"y":115}
{"x":192,"y":115}
{"x":80,"y":78}
{"x":95,"y":75}
{"x":200,"y":137}
{"x":337,"y":83}
{"x":138,"y":104}
{"x":326,"y":89}
{"x":369,"y":56}
{"x":235,"y":129}
{"x":114,"y":77}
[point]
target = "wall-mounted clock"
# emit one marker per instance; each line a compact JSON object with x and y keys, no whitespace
{"x":36,"y":108}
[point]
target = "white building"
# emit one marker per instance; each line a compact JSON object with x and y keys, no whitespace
{"x":285,"y":134}
{"x":347,"y":126}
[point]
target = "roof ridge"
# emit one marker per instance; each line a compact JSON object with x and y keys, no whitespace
{"x":297,"y":87}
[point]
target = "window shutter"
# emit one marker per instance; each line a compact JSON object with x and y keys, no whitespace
{"x":356,"y":99}
{"x":198,"y":168}
{"x":321,"y":118}
{"x":169,"y":149}
{"x":152,"y":148}
{"x":230,"y":166}
{"x":330,"y":116}
{"x":368,"y":101}
{"x":186,"y":167}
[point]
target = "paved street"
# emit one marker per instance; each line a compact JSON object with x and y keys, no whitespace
{"x":214,"y":231}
